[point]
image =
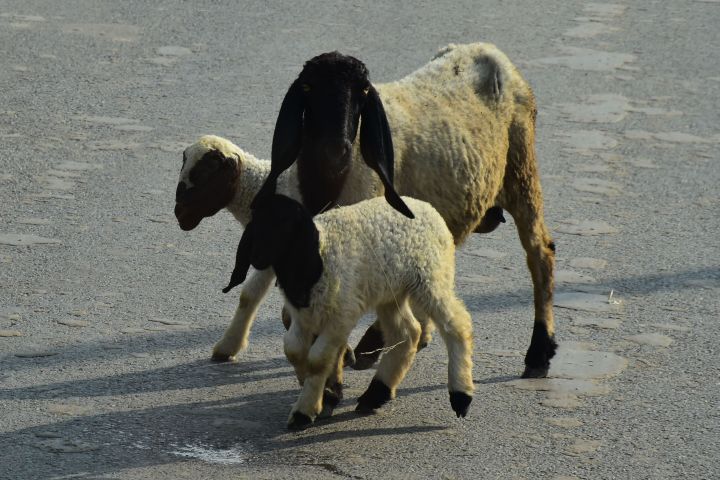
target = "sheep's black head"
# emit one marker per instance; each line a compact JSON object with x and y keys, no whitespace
{"x":317,"y":125}
{"x":208,"y":181}
{"x":281,"y":235}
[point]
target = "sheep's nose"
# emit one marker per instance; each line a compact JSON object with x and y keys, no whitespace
{"x":180,"y":192}
{"x":337,"y":151}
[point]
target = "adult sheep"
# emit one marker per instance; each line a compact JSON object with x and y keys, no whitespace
{"x":462,"y":129}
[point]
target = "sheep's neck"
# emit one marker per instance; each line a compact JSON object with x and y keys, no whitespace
{"x":320,"y":185}
{"x":252,"y":175}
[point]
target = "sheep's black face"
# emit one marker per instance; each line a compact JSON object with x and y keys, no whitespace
{"x":335,"y":87}
{"x":207,"y":184}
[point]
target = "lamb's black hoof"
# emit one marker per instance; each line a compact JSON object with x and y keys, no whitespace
{"x":460,"y":403}
{"x":221,"y":357}
{"x":349,"y":357}
{"x":376,"y":395}
{"x":299,"y":421}
{"x":422,"y":344}
{"x":332,"y":396}
{"x":542,"y":349}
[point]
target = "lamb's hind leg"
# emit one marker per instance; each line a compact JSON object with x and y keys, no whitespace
{"x":401,"y":333}
{"x":370,"y":346}
{"x":455,"y":327}
{"x":236,"y":335}
{"x":522,"y":197}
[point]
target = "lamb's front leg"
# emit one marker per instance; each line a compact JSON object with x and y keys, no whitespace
{"x":321,"y":360}
{"x":236,"y":335}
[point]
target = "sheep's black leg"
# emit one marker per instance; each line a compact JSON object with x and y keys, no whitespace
{"x":332,"y":396}
{"x":299,"y":421}
{"x":369,"y":348}
{"x":460,"y":403}
{"x":376,"y":395}
{"x":542,"y":349}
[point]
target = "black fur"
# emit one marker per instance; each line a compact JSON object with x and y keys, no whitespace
{"x":317,"y":125}
{"x":299,"y":421}
{"x":332,"y":396}
{"x":281,"y":235}
{"x":376,"y":395}
{"x":542,"y":349}
{"x":460,"y":403}
{"x":373,"y":342}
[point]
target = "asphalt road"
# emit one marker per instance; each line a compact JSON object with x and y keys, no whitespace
{"x":108,"y":312}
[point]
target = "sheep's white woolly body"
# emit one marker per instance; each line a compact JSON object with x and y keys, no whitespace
{"x":449,"y":123}
{"x":375,"y":258}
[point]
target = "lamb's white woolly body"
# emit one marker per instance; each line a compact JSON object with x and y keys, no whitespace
{"x":372,"y":255}
{"x":390,"y":264}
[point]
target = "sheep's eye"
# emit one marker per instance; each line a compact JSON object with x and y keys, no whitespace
{"x":305,"y":87}
{"x":366,"y":90}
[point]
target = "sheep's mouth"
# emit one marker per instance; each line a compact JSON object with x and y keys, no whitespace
{"x":186,"y":217}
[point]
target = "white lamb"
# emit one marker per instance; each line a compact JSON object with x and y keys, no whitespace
{"x":344,"y":263}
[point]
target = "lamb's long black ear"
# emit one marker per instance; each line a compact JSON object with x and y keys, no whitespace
{"x":287,"y":139}
{"x":242,"y":259}
{"x":377,"y":148}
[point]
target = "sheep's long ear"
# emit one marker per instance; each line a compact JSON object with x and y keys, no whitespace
{"x":242,"y":258}
{"x":377,"y":148}
{"x":287,"y":139}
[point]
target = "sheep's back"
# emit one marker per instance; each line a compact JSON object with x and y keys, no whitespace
{"x":371,"y":253}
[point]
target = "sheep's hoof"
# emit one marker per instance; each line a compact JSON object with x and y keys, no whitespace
{"x":349,"y":357}
{"x":299,"y":421}
{"x":535,"y":372}
{"x":460,"y":403}
{"x":376,"y":395}
{"x":542,"y":349}
{"x":332,"y":396}
{"x":422,"y":344}
{"x":223,"y":357}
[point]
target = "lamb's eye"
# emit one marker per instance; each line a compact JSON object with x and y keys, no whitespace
{"x":305,"y":87}
{"x":366,"y":90}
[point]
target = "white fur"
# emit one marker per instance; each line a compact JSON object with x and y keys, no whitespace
{"x":388,"y":263}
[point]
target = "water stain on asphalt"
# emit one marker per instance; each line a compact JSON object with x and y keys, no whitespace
{"x":572,"y":361}
{"x":564,"y":422}
{"x":605,"y":323}
{"x":597,"y":186}
{"x":588,"y":139}
{"x":569,"y":276}
{"x":585,"y":227}
{"x":222,"y":456}
{"x":589,"y":263}
{"x":26,"y":239}
{"x":653,"y":339}
{"x":601,"y":108}
{"x":588,"y":302}
{"x":587,"y":59}
{"x":116,"y":32}
{"x":33,"y":221}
